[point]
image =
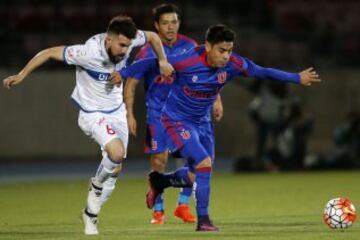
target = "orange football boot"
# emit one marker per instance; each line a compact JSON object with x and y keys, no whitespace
{"x":158,"y":217}
{"x":183,"y":212}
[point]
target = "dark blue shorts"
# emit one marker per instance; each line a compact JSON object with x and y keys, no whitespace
{"x":207,"y":137}
{"x":156,"y":137}
{"x":195,"y":142}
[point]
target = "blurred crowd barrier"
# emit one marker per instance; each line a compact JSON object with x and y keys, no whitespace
{"x":38,"y":119}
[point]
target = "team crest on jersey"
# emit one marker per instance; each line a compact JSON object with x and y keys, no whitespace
{"x":185,"y":134}
{"x":221,"y":77}
{"x":194,"y":78}
{"x":154,"y":144}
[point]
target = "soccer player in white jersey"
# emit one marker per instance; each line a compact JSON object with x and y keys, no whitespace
{"x":102,"y":114}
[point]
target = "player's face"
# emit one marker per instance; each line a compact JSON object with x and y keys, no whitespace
{"x":117,"y":46}
{"x":218,"y":54}
{"x":168,"y":26}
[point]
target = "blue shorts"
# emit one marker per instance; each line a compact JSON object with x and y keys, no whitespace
{"x":195,"y":142}
{"x":207,"y":137}
{"x":156,"y":137}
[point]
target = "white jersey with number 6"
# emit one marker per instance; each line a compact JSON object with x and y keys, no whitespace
{"x":102,"y":112}
{"x":93,"y":92}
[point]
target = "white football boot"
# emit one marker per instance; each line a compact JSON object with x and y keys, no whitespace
{"x":90,"y":223}
{"x":94,"y":198}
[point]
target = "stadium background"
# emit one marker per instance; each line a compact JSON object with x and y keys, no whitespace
{"x":40,"y":139}
{"x":38,"y":122}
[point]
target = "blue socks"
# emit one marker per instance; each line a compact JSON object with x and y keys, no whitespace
{"x":159,"y":204}
{"x":202,"y":191}
{"x":184,"y":196}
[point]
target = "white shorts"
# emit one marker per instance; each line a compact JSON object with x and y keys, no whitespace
{"x":104,"y":127}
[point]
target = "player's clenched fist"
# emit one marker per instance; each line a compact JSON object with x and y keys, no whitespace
{"x":12,"y":80}
{"x":115,"y":77}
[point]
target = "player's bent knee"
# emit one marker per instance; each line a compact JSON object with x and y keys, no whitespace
{"x":206,"y":163}
{"x":116,"y":156}
{"x":115,"y":150}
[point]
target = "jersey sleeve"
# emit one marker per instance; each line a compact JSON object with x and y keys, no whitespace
{"x":181,"y":61}
{"x":140,"y":39}
{"x":247,"y":67}
{"x":145,"y":52}
{"x":76,"y":54}
{"x":138,"y":69}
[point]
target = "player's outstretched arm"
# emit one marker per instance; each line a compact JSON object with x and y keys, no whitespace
{"x":55,"y":53}
{"x":218,"y":109}
{"x":129,"y":96}
{"x":309,"y":76}
{"x":306,"y":77}
{"x":165,"y":67}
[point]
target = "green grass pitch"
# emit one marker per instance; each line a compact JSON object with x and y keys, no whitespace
{"x":244,"y":206}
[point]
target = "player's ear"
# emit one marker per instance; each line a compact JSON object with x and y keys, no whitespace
{"x":156,"y":24}
{"x":107,"y":42}
{"x":208,"y":46}
{"x":108,"y":39}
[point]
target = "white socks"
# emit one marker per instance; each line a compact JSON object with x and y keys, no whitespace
{"x":108,"y":188}
{"x":106,"y":169}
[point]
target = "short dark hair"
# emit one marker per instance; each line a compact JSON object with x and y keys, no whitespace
{"x":122,"y":25}
{"x":165,"y":8}
{"x":219,"y":33}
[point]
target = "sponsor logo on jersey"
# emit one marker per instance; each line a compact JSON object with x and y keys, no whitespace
{"x":199,"y":94}
{"x":194,"y":78}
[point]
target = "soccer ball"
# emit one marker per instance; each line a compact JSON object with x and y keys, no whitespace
{"x":339,"y":213}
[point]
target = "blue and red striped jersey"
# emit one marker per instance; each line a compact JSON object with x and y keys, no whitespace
{"x":182,"y":44}
{"x":197,"y":84}
{"x":156,"y":86}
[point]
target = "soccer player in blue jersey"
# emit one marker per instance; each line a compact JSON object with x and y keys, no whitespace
{"x":167,"y":23}
{"x":201,"y":73}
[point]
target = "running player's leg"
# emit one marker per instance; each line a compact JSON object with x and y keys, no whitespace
{"x":182,"y":209}
{"x":118,"y":123}
{"x":155,"y":145}
{"x":187,"y":140}
{"x":207,"y":140}
{"x":201,"y":162}
{"x":101,"y":128}
{"x":158,"y":163}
